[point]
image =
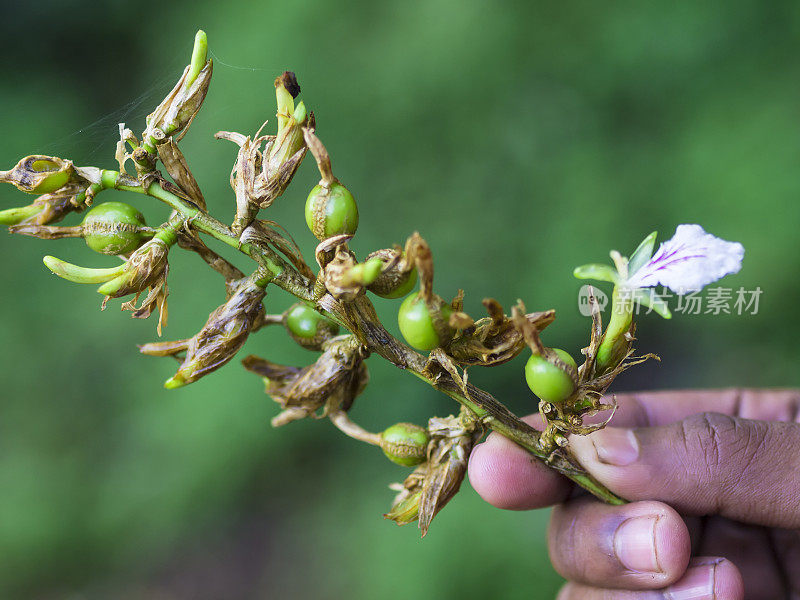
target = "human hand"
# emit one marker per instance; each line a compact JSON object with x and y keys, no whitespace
{"x":714,"y":480}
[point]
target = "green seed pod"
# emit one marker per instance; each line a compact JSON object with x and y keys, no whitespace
{"x":39,"y":174}
{"x":114,"y":228}
{"x":331,"y":210}
{"x":422,"y":327}
{"x":405,"y":444}
{"x":548,"y":381}
{"x":309,"y":328}
{"x":398,"y":279}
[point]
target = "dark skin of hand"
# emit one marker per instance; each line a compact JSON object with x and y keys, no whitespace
{"x":714,"y":480}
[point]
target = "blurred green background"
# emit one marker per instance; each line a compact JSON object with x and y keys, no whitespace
{"x":520,"y":138}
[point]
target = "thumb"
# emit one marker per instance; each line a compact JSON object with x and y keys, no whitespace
{"x":708,"y":463}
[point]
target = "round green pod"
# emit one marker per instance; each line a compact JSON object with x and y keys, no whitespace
{"x":418,"y":327}
{"x":405,"y":444}
{"x":58,"y":175}
{"x":331,"y":211}
{"x":546,"y":380}
{"x":309,"y":328}
{"x":114,"y":228}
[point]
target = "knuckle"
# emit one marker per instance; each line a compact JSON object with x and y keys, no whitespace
{"x":704,"y":437}
{"x":720,"y":445}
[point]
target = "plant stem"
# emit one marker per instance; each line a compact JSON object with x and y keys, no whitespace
{"x":354,"y":316}
{"x":286,"y":276}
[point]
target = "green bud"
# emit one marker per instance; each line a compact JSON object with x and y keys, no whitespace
{"x":331,"y":210}
{"x":291,"y":120}
{"x":14,"y":216}
{"x":114,"y":228}
{"x":78,"y":274}
{"x":286,"y":90}
{"x":405,"y":444}
{"x":309,"y":328}
{"x":405,"y":509}
{"x":367,"y":272}
{"x":300,"y":113}
{"x":199,"y":56}
{"x":180,"y":106}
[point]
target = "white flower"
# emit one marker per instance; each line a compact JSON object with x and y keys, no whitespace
{"x":689,"y":261}
{"x":686,"y":263}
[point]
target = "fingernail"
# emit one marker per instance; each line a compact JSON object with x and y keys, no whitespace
{"x":635,"y":544}
{"x":615,"y":446}
{"x":696,"y":584}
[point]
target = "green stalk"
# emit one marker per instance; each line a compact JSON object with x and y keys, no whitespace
{"x":614,"y":345}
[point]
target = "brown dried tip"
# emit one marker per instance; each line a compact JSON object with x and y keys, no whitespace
{"x":529,"y":332}
{"x":289,"y":81}
{"x":419,"y":249}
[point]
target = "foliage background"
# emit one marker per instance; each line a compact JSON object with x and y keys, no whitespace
{"x":521,"y":138}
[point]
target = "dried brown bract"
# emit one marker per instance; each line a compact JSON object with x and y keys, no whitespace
{"x":223,"y":335}
{"x":494,"y":340}
{"x":431,"y":485}
{"x":329,"y":385}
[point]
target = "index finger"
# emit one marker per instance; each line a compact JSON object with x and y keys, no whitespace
{"x":507,"y":476}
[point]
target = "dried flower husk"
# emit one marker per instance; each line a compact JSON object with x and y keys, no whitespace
{"x":327,"y":386}
{"x":177,"y":111}
{"x":340,"y":276}
{"x":175,"y":164}
{"x":73,"y":196}
{"x":223,"y":335}
{"x":271,"y":233}
{"x":145,"y":271}
{"x":285,"y":151}
{"x":434,"y":483}
{"x":45,"y":210}
{"x":495,"y":339}
{"x":259,"y":177}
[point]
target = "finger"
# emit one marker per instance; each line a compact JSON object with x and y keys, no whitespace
{"x":703,"y":465}
{"x":750,"y":548}
{"x":647,"y":409}
{"x":508,"y":476}
{"x":706,"y":579}
{"x":639,"y":546}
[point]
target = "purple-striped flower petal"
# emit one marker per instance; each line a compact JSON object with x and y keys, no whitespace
{"x":689,"y":261}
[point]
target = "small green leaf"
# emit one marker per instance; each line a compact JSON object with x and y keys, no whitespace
{"x":648,"y":298}
{"x":598,"y":272}
{"x":642,"y":254}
